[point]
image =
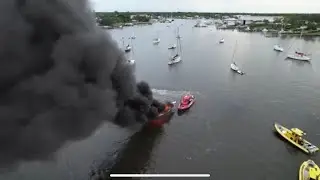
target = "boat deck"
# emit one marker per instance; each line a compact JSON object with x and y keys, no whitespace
{"x":305,"y":144}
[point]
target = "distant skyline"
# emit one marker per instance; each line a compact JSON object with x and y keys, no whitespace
{"x":248,"y":6}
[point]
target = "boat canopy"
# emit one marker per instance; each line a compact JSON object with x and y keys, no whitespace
{"x":298,"y":132}
{"x":313,"y":173}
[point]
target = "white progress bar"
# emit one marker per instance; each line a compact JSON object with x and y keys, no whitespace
{"x":158,"y":175}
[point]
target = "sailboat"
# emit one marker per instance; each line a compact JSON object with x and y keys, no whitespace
{"x":126,"y":48}
{"x":173,"y":46}
{"x":133,"y":36}
{"x":299,"y":55}
{"x":177,"y":57}
{"x":131,"y":61}
{"x":233,"y":65}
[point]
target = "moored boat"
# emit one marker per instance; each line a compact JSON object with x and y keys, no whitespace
{"x":128,"y":48}
{"x":221,"y":41}
{"x":294,"y":136}
{"x":172,"y":46}
{"x":174,"y":59}
{"x":235,"y":68}
{"x":131,"y":61}
{"x":309,"y":170}
{"x":156,"y":41}
{"x":299,"y":56}
{"x":278,"y":48}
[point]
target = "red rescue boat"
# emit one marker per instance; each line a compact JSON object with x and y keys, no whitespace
{"x":186,"y":102}
{"x":163,"y":117}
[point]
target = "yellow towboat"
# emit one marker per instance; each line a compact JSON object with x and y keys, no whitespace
{"x":309,"y":171}
{"x":295,"y":137}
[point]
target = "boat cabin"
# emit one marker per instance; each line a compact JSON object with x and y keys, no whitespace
{"x":297,"y":135}
{"x":186,"y":99}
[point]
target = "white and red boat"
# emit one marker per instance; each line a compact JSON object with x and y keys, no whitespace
{"x":186,"y":102}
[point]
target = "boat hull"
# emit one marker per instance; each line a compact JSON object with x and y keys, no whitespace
{"x":184,"y":108}
{"x":172,"y":47}
{"x":277,"y":48}
{"x":162,"y":118}
{"x":176,"y":60}
{"x":304,"y":169}
{"x":127,"y":49}
{"x":282,"y":130}
{"x":131,"y":61}
{"x":300,"y":58}
{"x":236,"y":69}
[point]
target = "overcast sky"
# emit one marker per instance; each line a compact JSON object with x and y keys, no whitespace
{"x":257,"y":6}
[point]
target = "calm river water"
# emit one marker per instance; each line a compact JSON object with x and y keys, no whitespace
{"x":229,"y":132}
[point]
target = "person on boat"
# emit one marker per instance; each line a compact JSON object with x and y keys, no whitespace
{"x":299,"y":53}
{"x":299,"y":140}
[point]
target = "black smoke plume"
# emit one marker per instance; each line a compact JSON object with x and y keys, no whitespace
{"x":60,"y":77}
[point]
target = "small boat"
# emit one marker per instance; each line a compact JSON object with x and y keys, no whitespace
{"x":156,"y":41}
{"x":309,"y":171}
{"x":128,"y":48}
{"x":163,"y":117}
{"x":278,"y":48}
{"x":131,"y":61}
{"x":221,"y":41}
{"x":235,"y":68}
{"x":294,"y":136}
{"x":172,"y":46}
{"x":299,"y":56}
{"x":186,"y":102}
{"x":174,"y":59}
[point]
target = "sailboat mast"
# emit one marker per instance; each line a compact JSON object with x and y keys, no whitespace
{"x":234,"y":51}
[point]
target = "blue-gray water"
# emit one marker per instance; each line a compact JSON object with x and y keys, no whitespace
{"x":229,"y":132}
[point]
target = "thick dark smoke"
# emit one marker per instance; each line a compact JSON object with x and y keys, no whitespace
{"x":60,"y":78}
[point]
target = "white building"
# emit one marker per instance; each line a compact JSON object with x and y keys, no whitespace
{"x":231,"y":21}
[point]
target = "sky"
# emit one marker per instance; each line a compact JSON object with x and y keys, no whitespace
{"x":250,"y":6}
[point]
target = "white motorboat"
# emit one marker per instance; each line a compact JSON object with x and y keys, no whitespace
{"x":278,"y":48}
{"x":235,"y":68}
{"x":172,"y":46}
{"x":131,"y":61}
{"x":221,"y":41}
{"x":128,"y":48}
{"x":156,"y":41}
{"x":175,"y":59}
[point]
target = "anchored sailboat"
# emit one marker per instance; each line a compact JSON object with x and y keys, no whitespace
{"x":233,"y":65}
{"x":177,"y":57}
{"x":299,"y":55}
{"x":126,"y":48}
